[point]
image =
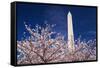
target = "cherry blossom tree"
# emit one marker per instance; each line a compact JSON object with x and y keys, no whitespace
{"x":41,"y":47}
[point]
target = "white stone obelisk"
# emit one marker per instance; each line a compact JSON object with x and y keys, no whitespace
{"x":70,"y":33}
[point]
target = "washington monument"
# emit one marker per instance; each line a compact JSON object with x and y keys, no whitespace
{"x":70,"y":32}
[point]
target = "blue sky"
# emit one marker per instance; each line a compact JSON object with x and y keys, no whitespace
{"x":84,"y":19}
